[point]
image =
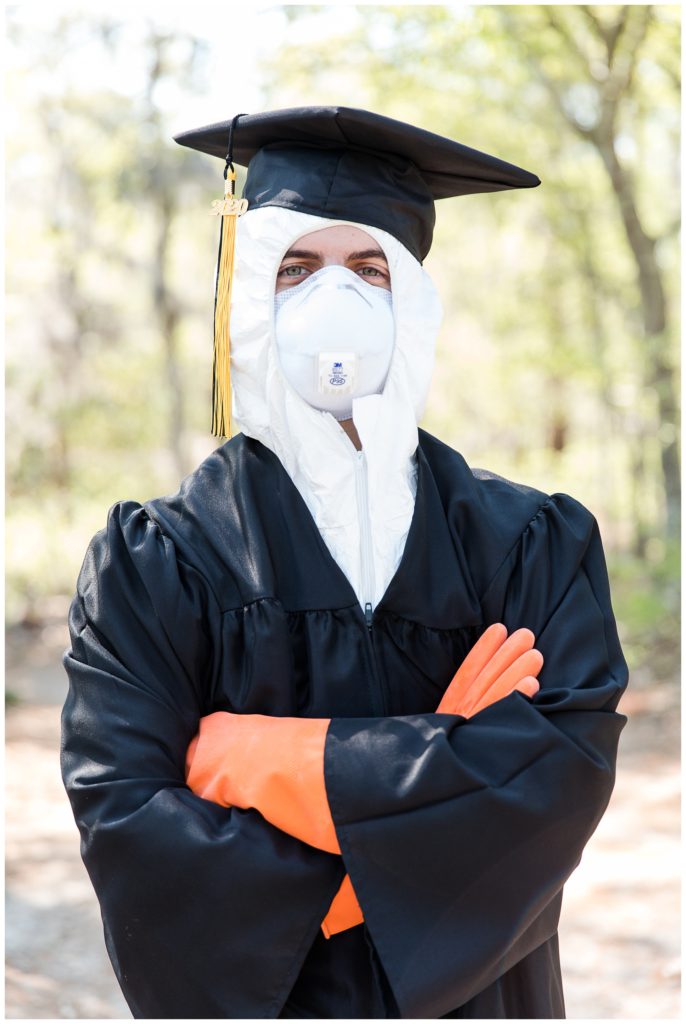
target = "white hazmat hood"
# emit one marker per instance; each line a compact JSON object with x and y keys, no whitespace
{"x":315,"y":451}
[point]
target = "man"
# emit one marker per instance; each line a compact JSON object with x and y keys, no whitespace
{"x":290,"y":803}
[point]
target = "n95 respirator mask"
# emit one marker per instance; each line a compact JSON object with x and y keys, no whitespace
{"x":334,"y":336}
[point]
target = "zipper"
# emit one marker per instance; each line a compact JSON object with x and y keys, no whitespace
{"x":367,"y":563}
{"x":366,"y":553}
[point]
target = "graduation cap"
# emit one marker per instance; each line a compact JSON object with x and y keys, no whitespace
{"x":343,"y":164}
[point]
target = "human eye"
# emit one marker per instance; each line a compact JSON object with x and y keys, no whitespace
{"x":294,"y":270}
{"x":374,"y":275}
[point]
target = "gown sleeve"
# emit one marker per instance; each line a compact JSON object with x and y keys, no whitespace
{"x":208,"y":911}
{"x":459,"y":834}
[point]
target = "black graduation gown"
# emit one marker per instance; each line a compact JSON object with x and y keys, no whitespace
{"x":458,"y":834}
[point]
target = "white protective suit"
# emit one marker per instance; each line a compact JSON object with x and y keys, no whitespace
{"x":362,"y":502}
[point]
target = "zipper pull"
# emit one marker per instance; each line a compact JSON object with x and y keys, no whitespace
{"x":368,"y":615}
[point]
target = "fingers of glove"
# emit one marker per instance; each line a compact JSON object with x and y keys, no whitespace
{"x":523,"y":671}
{"x":528,"y":686}
{"x":528,"y":664}
{"x":478,"y":657}
{"x":513,"y":647}
{"x":521,"y":641}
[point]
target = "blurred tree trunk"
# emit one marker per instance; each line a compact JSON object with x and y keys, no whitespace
{"x":72,"y":238}
{"x":632,"y":427}
{"x":639,"y":486}
{"x":163,"y":199}
{"x":556,"y":392}
{"x":659,"y":372}
{"x":622,"y":35}
{"x":169,"y":320}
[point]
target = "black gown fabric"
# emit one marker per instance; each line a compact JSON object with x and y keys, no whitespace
{"x":458,"y":834}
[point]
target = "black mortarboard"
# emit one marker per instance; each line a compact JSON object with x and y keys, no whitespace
{"x":339,"y":163}
{"x":348,"y":164}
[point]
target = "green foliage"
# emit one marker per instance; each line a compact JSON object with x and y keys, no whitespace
{"x":646,"y":600}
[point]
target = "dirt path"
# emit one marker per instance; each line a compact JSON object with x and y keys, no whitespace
{"x":620,"y":921}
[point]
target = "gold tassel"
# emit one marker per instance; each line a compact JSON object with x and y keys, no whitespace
{"x":229,"y":208}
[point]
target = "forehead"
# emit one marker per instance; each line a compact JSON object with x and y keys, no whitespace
{"x":337,"y":239}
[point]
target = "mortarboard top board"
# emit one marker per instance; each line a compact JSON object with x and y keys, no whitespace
{"x":354,"y":165}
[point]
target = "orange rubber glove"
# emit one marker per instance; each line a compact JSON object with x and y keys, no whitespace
{"x":273,"y":764}
{"x":495,"y":667}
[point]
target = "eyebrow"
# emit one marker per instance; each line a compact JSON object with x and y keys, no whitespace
{"x":362,"y":254}
{"x":365,"y":254}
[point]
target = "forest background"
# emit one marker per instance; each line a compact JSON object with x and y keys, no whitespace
{"x":558,"y":359}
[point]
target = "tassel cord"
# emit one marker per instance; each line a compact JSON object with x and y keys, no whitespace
{"x":221,"y":364}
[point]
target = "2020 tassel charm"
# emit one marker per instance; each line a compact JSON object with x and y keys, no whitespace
{"x":229,"y":209}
